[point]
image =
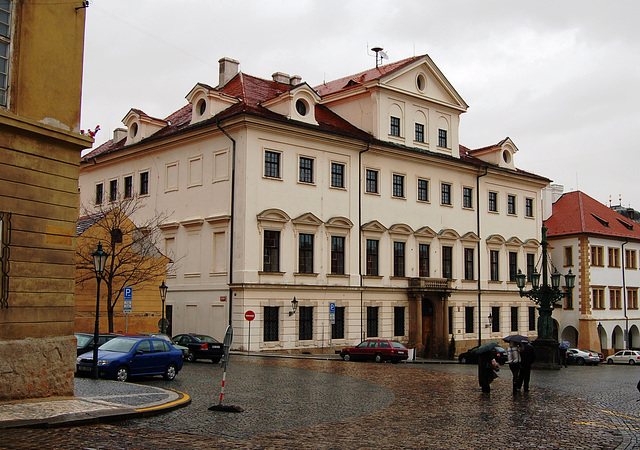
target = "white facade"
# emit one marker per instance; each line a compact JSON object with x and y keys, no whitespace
{"x":297,"y":171}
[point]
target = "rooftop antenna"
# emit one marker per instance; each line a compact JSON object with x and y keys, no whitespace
{"x":380,"y":55}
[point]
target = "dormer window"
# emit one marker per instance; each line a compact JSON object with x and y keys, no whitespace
{"x":506,"y":156}
{"x":301,"y":107}
{"x":202,"y":107}
{"x":133,"y":131}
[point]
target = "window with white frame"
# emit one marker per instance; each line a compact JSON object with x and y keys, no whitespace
{"x":337,"y":175}
{"x":5,"y":46}
{"x":398,"y":185}
{"x":423,"y":190}
{"x":271,"y":164}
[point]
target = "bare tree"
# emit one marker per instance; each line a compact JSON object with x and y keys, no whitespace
{"x":134,"y":257}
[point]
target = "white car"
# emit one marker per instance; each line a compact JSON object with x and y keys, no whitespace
{"x":625,"y":357}
{"x":582,"y":357}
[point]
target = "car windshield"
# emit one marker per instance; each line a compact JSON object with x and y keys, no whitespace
{"x":397,"y":344}
{"x":204,"y":338}
{"x":83,"y":340}
{"x":120,"y":345}
{"x":362,"y":344}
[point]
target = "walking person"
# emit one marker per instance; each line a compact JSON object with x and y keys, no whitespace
{"x":527,"y":358}
{"x":487,"y":367}
{"x":514,"y":360}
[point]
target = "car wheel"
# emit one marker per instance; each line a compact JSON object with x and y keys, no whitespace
{"x":122,"y":374}
{"x":609,"y":361}
{"x":190,"y":357}
{"x":463,"y":360}
{"x":216,"y":360}
{"x":379,"y":358}
{"x":631,"y":362}
{"x":580,"y":361}
{"x":171,"y":372}
{"x":346,"y":357}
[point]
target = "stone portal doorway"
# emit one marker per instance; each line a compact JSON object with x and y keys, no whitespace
{"x":427,"y":327}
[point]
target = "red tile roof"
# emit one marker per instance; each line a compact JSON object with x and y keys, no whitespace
{"x":577,"y":213}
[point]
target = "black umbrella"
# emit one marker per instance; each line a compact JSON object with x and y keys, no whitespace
{"x":517,"y":338}
{"x":487,"y":347}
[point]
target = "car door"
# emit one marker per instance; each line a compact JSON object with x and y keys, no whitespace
{"x":160,"y":355}
{"x":371,"y":350}
{"x":142,"y":358}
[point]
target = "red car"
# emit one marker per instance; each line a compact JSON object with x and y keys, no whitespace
{"x":378,"y":350}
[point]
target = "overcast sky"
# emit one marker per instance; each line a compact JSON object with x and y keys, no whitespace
{"x":560,"y":78}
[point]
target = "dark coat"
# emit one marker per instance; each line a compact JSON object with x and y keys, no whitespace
{"x":528,"y":355}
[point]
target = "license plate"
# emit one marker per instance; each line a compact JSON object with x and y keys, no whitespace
{"x":85,"y":368}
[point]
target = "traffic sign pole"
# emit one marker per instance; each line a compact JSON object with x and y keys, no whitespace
{"x":249,"y":315}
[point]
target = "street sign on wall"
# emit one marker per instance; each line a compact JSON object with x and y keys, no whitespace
{"x":128,"y":300}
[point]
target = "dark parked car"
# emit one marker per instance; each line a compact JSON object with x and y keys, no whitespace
{"x":378,"y":350}
{"x":127,"y":356}
{"x":200,"y":346}
{"x":471,"y":357}
{"x":84,"y":341}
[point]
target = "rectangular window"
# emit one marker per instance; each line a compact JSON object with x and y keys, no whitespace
{"x":532,"y":318}
{"x":419,"y":132}
{"x":568,"y":302}
{"x":514,"y":318}
{"x":423,"y":190}
{"x":445,"y":190}
{"x":337,"y":175}
{"x":128,"y":187}
{"x":398,"y":259}
{"x":371,"y":185}
{"x":467,"y":197}
{"x":305,"y":323}
{"x":372,"y":257}
{"x":528,"y":207}
{"x":99,"y":193}
{"x":5,"y":238}
{"x":305,"y":253}
{"x":442,"y":138}
{"x":493,"y":201}
{"x":271,"y":322}
{"x":450,"y":320}
{"x":5,"y":42}
{"x":447,"y":262}
{"x":632,"y":298}
{"x":511,"y":204}
{"x":337,"y":255}
{"x":597,"y":256}
{"x":395,"y":127}
{"x":630,"y":259}
{"x":423,"y":260}
{"x":337,"y":328}
{"x":271,"y":164}
{"x":513,"y":266}
{"x":614,"y":257}
{"x":113,"y":190}
{"x":615,"y":298}
{"x":144,"y":183}
{"x":468,"y":319}
{"x":531,"y":265}
{"x":494,"y":265}
{"x":271,"y":251}
{"x":568,"y":256}
{"x":372,"y":321}
{"x":306,"y":170}
{"x":398,"y":185}
{"x":398,"y":321}
{"x":598,"y":297}
{"x":468,"y":264}
{"x":495,"y":319}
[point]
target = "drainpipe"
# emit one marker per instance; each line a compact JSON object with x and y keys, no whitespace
{"x":233,"y":201}
{"x":486,"y":170}
{"x":360,"y":238}
{"x":624,"y":296}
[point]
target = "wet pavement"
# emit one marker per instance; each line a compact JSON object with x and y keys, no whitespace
{"x":307,"y":403}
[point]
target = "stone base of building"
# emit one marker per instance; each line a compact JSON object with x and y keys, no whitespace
{"x":35,"y":368}
{"x":547,"y":355}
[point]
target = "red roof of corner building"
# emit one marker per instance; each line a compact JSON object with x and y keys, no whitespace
{"x":577,"y":213}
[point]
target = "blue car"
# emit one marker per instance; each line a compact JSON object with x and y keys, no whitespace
{"x":126,"y":356}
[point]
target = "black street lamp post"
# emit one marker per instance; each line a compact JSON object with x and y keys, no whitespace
{"x":99,"y":263}
{"x":163,"y":296}
{"x":546,"y":296}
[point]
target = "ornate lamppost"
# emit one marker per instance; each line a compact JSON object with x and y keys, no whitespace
{"x":99,"y":263}
{"x":546,"y":296}
{"x":163,"y":296}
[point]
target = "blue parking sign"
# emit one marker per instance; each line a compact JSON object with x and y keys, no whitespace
{"x":332,"y":308}
{"x":128,"y":293}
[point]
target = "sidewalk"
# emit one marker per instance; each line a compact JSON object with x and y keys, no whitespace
{"x":95,"y":401}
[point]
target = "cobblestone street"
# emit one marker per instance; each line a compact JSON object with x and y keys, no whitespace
{"x":304,"y":403}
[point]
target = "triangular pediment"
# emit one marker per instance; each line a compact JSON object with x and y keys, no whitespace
{"x":374,"y":226}
{"x":307,"y":219}
{"x":515,"y":242}
{"x":425,"y":232}
{"x":470,"y":237}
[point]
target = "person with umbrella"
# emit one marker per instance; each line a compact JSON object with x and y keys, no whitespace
{"x":527,"y":358}
{"x":513,"y":357}
{"x":487,"y":365}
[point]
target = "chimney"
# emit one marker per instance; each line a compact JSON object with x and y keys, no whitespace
{"x":280,"y":77}
{"x":295,"y":80}
{"x":119,"y":134}
{"x":228,"y":70}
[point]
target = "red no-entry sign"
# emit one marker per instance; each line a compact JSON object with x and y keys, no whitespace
{"x":249,"y":315}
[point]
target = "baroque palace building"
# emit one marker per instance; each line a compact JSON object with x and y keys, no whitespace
{"x":40,"y":146}
{"x":355,"y":193}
